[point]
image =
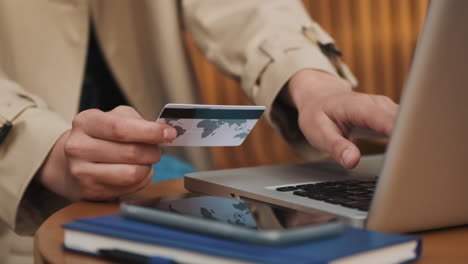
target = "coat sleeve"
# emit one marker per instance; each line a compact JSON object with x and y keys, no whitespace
{"x":262,"y":44}
{"x":24,"y":202}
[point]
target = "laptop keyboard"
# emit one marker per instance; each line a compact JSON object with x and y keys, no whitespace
{"x":355,"y":194}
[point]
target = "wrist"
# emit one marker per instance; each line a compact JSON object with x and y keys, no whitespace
{"x":54,"y":172}
{"x":310,"y":85}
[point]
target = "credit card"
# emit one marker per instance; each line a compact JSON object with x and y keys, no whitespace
{"x":210,"y":125}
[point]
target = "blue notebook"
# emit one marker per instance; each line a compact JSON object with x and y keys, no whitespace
{"x":88,"y":235}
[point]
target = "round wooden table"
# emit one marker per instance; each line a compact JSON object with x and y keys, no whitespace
{"x":49,"y":237}
{"x":440,"y":246}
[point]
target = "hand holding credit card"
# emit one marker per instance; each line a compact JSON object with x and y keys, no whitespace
{"x":210,"y":125}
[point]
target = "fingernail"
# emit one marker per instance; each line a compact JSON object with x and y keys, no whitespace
{"x":169,"y":133}
{"x":347,"y":156}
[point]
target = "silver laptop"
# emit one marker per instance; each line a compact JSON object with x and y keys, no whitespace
{"x":421,"y":183}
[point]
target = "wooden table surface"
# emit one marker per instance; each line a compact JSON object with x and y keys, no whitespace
{"x":440,"y":246}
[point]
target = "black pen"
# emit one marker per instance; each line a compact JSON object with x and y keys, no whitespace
{"x":122,"y":256}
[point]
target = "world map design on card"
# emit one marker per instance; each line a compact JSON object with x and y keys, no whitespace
{"x":210,"y":125}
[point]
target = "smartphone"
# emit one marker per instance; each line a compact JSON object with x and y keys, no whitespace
{"x":241,"y":220}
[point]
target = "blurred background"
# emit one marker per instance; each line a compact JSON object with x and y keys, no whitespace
{"x":377,"y":38}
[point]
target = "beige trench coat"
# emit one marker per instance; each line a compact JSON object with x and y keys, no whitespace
{"x":43,"y":46}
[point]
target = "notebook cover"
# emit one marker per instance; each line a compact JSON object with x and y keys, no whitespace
{"x":352,"y":241}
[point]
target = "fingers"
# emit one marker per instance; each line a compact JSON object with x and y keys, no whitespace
{"x":329,"y":110}
{"x":110,"y":174}
{"x":373,"y":112}
{"x":81,"y":146}
{"x":110,"y":154}
{"x":328,"y":138}
{"x":327,"y":124}
{"x":125,"y":111}
{"x":389,"y":110}
{"x":122,"y":125}
{"x":99,"y":181}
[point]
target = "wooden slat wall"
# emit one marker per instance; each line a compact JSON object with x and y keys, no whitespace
{"x":377,"y":38}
